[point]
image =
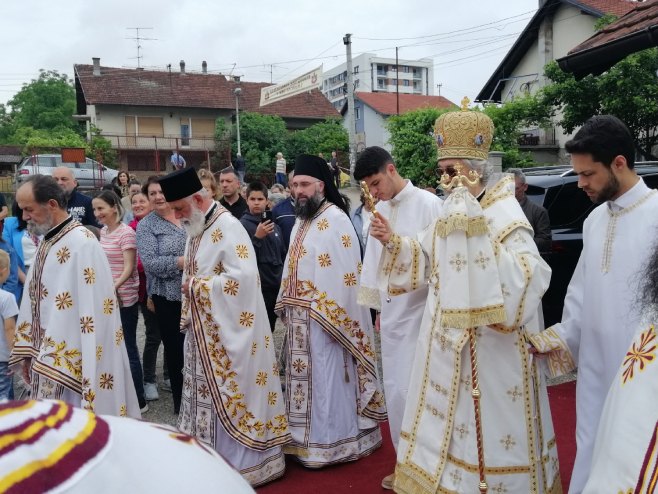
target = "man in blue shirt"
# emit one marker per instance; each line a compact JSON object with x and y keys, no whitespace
{"x":78,"y":205}
{"x":177,"y":161}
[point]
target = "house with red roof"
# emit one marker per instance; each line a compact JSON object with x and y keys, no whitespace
{"x":372,"y":110}
{"x":556,"y":28}
{"x":146,"y":114}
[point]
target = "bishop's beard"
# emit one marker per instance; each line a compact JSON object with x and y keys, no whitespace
{"x":195,"y":224}
{"x":305,"y":209}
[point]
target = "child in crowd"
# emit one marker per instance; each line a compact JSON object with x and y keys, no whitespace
{"x":268,"y":243}
{"x":8,"y":313}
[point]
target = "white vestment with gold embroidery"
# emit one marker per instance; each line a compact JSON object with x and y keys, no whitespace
{"x":625,"y":458}
{"x":69,"y":325}
{"x":231,"y":388}
{"x":333,"y":394}
{"x":408,"y":213}
{"x":438,"y":448}
{"x":601,"y":310}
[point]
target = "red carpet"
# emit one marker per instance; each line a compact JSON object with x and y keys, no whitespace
{"x":364,"y":476}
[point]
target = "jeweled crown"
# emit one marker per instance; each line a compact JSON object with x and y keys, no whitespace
{"x":464,"y":134}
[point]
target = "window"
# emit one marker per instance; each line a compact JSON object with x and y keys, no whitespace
{"x":356,"y":84}
{"x":406,"y":69}
{"x":380,"y":84}
{"x":393,"y":68}
{"x":356,"y":69}
{"x":357,"y":113}
{"x":185,"y":135}
{"x":405,"y":82}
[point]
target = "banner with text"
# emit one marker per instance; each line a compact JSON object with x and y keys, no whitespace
{"x":305,"y":82}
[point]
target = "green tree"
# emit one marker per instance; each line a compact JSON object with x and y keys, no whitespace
{"x":414,"y":148}
{"x":628,"y":90}
{"x":261,"y":137}
{"x":323,"y":137}
{"x":46,"y":103}
{"x":509,"y":120}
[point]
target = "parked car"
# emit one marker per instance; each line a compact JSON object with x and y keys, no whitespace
{"x":90,"y":174}
{"x":556,"y":188}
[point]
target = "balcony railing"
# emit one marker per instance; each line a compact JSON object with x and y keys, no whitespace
{"x":156,"y":143}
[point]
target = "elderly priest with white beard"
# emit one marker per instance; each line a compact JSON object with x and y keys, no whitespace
{"x":231,"y":388}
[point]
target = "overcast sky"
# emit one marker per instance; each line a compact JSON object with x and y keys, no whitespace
{"x":256,"y":39}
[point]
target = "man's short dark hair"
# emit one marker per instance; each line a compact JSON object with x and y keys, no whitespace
{"x":371,"y":161}
{"x":45,"y":188}
{"x":227,"y":170}
{"x":604,"y":137}
{"x":257,"y":187}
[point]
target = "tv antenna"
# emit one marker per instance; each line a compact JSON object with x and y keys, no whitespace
{"x":138,"y":40}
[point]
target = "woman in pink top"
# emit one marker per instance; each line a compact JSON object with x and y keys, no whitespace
{"x":120,"y":245}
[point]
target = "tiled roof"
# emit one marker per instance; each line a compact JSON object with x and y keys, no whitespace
{"x":133,"y":87}
{"x":642,"y":16}
{"x":614,"y":7}
{"x":635,"y":31}
{"x":386,"y":103}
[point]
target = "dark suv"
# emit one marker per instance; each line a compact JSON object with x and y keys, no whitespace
{"x":556,"y":188}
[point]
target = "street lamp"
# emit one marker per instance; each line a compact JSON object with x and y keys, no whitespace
{"x":237,"y":92}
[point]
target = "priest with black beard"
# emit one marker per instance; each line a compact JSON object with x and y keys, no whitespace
{"x":334,"y":401}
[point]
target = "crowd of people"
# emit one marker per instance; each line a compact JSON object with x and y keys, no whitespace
{"x":453,"y":285}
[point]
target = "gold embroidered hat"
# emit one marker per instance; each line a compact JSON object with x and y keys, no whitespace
{"x":464,"y":134}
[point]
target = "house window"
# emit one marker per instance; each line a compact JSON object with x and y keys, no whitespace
{"x":406,"y":69}
{"x":356,"y":84}
{"x":405,"y":82}
{"x":393,"y":68}
{"x":356,"y":69}
{"x":185,"y":134}
{"x":380,"y":84}
{"x":357,"y":113}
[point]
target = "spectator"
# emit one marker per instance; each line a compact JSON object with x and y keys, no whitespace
{"x":283,"y":215}
{"x":230,"y":185}
{"x":123,"y":183}
{"x":268,"y":243}
{"x":4,"y":211}
{"x":177,"y":160}
{"x":209,"y":183}
{"x":280,"y":177}
{"x":240,"y":167}
{"x":536,"y":214}
{"x":78,"y":205}
{"x":13,"y":282}
{"x":278,"y":188}
{"x":335,"y":169}
{"x":161,"y":245}
{"x":361,"y":218}
{"x":274,"y":198}
{"x":8,"y":313}
{"x":119,"y":244}
{"x":126,"y":201}
{"x":24,"y":243}
{"x":141,"y":207}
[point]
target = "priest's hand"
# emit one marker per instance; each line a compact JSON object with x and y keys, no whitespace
{"x":380,"y":229}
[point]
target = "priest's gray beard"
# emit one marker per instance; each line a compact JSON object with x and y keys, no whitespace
{"x":306,"y":208}
{"x":40,"y":229}
{"x":195,"y":224}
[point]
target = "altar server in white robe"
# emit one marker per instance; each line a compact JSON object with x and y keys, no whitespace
{"x":69,"y":338}
{"x":409,"y":210}
{"x":334,"y":399}
{"x":477,"y":416}
{"x":50,"y":446}
{"x":231,"y":387}
{"x":600,"y":310}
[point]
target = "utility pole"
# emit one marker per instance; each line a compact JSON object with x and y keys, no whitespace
{"x":351,"y":121}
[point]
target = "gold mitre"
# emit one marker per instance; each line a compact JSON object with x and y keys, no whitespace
{"x":464,"y":134}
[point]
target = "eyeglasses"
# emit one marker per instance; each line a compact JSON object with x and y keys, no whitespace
{"x":303,"y":185}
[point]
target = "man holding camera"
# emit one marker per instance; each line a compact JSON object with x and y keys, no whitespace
{"x":268,"y":243}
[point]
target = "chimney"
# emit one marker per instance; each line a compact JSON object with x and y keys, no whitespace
{"x":182,"y":67}
{"x":97,"y":66}
{"x":204,"y":67}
